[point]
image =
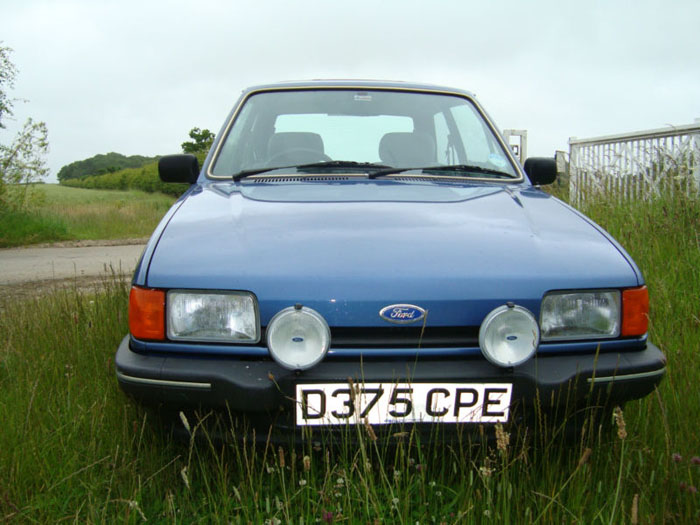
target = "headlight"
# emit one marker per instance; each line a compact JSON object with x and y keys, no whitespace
{"x":509,"y":335}
{"x":580,"y":315}
{"x":298,"y":337}
{"x":230,"y":317}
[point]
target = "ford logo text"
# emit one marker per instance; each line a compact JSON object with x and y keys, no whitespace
{"x":402,"y":313}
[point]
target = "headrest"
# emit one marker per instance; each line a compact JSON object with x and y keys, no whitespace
{"x":405,"y":150}
{"x":284,"y":142}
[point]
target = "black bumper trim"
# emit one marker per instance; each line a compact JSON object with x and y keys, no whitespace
{"x":263,"y":386}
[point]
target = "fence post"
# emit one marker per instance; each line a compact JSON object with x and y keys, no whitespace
{"x":573,"y":173}
{"x":695,"y":154}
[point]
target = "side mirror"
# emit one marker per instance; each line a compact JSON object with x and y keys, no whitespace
{"x":541,"y":170}
{"x":178,"y":168}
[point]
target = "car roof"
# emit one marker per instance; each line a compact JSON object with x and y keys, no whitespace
{"x":357,"y":84}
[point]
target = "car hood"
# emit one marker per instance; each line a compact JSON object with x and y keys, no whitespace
{"x":456,"y":254}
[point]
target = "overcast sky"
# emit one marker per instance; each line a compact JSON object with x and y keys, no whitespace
{"x":135,"y":76}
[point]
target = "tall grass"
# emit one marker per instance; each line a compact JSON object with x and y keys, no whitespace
{"x":61,"y":213}
{"x":20,"y":227}
{"x":74,"y":448}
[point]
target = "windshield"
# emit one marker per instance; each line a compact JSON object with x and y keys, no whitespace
{"x":389,"y":129}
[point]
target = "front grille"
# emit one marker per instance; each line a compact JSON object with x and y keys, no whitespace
{"x":402,"y":337}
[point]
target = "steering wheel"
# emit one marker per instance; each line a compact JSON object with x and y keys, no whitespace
{"x":304,"y":154}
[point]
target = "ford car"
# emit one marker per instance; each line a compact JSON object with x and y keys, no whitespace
{"x":373,"y":253}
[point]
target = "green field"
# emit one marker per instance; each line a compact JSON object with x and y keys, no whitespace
{"x":75,"y":449}
{"x":60,"y":213}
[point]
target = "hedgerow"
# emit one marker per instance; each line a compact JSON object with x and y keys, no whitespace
{"x":144,"y":179}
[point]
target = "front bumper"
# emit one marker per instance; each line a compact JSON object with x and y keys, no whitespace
{"x":257,"y":386}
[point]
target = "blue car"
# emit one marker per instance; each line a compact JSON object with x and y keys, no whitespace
{"x":372,"y":253}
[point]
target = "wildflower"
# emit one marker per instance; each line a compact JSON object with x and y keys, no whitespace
{"x":419,"y":467}
{"x":395,"y":502}
{"x":339,"y":481}
{"x":620,"y":422}
{"x":695,"y":460}
{"x":692,"y":489}
{"x":327,"y":516}
{"x":431,"y":484}
{"x":302,"y":482}
{"x":682,"y":485}
{"x":397,"y":475}
{"x":485,"y":471}
{"x":676,"y":457}
{"x":307,"y":463}
{"x":269,"y":469}
{"x":502,"y":438}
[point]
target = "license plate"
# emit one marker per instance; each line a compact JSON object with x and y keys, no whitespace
{"x":386,"y":403}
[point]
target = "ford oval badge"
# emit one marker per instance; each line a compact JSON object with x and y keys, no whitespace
{"x":402,"y":313}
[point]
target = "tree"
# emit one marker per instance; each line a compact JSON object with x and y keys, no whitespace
{"x":23,"y":160}
{"x":8,"y":72}
{"x":100,"y":164}
{"x":202,"y":140}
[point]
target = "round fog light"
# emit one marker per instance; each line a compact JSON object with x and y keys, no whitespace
{"x":509,"y":335}
{"x":298,"y":337}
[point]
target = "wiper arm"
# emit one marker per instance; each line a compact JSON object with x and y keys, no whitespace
{"x":451,"y":168}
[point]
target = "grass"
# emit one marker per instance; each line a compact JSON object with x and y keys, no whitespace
{"x":61,"y":213}
{"x":75,"y":449}
{"x":19,"y":228}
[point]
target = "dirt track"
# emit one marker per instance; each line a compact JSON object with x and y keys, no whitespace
{"x":29,"y":270}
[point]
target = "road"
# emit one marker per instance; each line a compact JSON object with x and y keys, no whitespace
{"x":21,"y":266}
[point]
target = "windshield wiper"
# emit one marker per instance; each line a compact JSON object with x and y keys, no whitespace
{"x":249,"y":173}
{"x":449,"y":168}
{"x":342,"y":164}
{"x":314,"y":165}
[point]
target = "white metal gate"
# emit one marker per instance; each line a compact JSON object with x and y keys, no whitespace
{"x":636,"y":165}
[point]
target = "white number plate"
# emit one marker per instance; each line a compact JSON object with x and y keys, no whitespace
{"x":384,"y":403}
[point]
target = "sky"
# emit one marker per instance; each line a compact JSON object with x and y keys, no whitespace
{"x":135,"y":76}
